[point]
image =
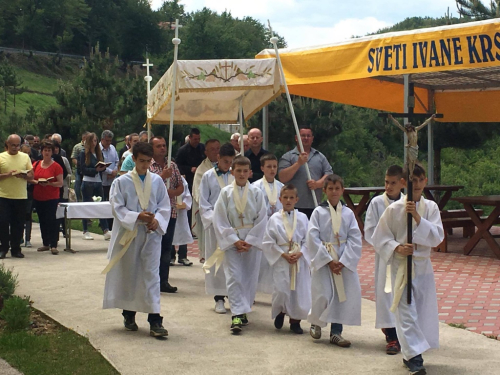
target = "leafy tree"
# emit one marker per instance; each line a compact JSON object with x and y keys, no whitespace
{"x":10,"y":79}
{"x":477,"y":10}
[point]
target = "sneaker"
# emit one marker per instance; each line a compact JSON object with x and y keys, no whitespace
{"x":219,"y":307}
{"x":202,"y":260}
{"x":185,"y":262}
{"x":415,"y":365}
{"x":87,"y":236}
{"x":296,"y":328}
{"x":27,"y":244}
{"x":129,"y":323}
{"x":393,"y":347}
{"x":244,"y":320}
{"x":338,"y":340}
{"x":107,"y":235}
{"x":278,"y":321}
{"x":17,"y":254}
{"x":167,"y":288}
{"x":54,"y":251}
{"x":172,"y":262}
{"x":43,"y":248}
{"x":315,"y":331}
{"x":236,"y":324}
{"x":157,"y":330}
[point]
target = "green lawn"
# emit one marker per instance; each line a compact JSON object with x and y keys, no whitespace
{"x":37,"y":82}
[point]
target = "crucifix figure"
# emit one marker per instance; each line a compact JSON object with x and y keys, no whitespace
{"x":412,"y":146}
{"x":241,"y":216}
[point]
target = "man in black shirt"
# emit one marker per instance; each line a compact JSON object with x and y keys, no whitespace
{"x":255,"y":153}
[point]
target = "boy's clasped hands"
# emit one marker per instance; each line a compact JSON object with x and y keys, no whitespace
{"x":149,"y":219}
{"x":335,"y":267}
{"x":292,"y":258}
{"x":242,"y":246}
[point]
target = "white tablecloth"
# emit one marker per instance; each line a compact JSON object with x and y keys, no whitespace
{"x":85,"y":210}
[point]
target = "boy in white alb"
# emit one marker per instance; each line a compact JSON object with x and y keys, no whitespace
{"x":182,"y":233}
{"x":417,"y":324}
{"x":334,"y":247}
{"x":385,"y":319}
{"x":211,"y":185}
{"x":284,"y":247}
{"x":271,"y":189}
{"x":239,"y":221}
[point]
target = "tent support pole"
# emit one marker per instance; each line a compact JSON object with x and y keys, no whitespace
{"x":242,"y":143}
{"x":176,"y":41}
{"x":274,"y":41}
{"x":265,"y":127}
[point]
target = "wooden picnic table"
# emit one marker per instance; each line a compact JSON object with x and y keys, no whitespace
{"x":483,"y":225}
{"x":367,"y":193}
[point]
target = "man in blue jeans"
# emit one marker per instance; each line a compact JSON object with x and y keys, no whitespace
{"x":79,"y":147}
{"x":175,"y":187}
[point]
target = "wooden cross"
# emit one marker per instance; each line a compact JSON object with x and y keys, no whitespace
{"x":337,"y":237}
{"x":241,"y":218}
{"x":225,"y":68}
{"x":148,"y":78}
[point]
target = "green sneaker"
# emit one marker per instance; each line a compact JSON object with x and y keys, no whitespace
{"x":236,"y":324}
{"x":244,"y":320}
{"x":157,"y":330}
{"x":129,"y":323}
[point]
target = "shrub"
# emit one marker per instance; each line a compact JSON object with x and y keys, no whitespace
{"x":8,"y":282}
{"x":16,"y":313}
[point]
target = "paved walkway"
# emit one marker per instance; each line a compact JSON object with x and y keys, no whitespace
{"x":69,"y":287}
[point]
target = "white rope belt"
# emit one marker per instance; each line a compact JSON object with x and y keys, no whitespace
{"x":294,"y":268}
{"x":401,"y":279}
{"x":339,"y":280}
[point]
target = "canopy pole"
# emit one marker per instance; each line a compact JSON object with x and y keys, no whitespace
{"x":148,"y":80}
{"x":242,"y":143}
{"x":265,"y":127}
{"x":274,"y":41}
{"x":176,"y":41}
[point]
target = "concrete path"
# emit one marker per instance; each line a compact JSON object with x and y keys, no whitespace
{"x":6,"y":369}
{"x":69,"y":288}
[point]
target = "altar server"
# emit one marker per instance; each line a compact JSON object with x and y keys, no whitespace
{"x":284,"y":246}
{"x":334,"y":246}
{"x":385,"y":319}
{"x":141,"y":211}
{"x":211,"y":184}
{"x":182,"y":233}
{"x":417,"y":324}
{"x":271,"y":188}
{"x":240,"y":220}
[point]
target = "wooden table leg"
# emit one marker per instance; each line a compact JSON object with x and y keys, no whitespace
{"x":444,"y":199}
{"x":483,"y":230}
{"x":359,"y":209}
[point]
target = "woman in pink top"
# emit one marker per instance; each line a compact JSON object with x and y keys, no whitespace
{"x":48,"y":179}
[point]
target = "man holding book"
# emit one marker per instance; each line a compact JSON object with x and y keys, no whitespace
{"x":111,"y":161}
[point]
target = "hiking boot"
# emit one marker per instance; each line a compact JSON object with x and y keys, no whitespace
{"x":219,"y":307}
{"x":167,"y":288}
{"x":415,"y":365}
{"x":185,"y":262}
{"x":157,"y":330}
{"x":129,"y":323}
{"x":236,"y":324}
{"x":295,"y":328}
{"x":315,"y":331}
{"x":244,"y":320}
{"x":338,"y":340}
{"x":392,"y":347}
{"x":278,"y":321}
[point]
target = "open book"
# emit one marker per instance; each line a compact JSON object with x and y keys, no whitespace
{"x":45,"y":179}
{"x":101,"y":163}
{"x":23,"y":172}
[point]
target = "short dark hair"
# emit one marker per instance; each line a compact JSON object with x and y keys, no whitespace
{"x":333,"y":178}
{"x":56,"y":145}
{"x":395,"y":171}
{"x":227,"y":149}
{"x":132,"y":135}
{"x":194,"y":131}
{"x":29,"y":137}
{"x":156,"y":137}
{"x":267,"y":157}
{"x":142,"y":148}
{"x":289,"y":187}
{"x":419,"y":170}
{"x":306,"y":127}
{"x":211,"y":140}
{"x":241,"y":160}
{"x":47,"y":144}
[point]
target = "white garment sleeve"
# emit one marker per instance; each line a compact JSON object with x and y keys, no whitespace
{"x":384,"y":237}
{"x":206,"y":209}
{"x":371,"y":221}
{"x":256,"y":234}
{"x":272,"y":237}
{"x":224,"y":232}
{"x":163,"y":209}
{"x":429,"y":233}
{"x":317,"y":251}
{"x":352,"y":248}
{"x":121,"y":213}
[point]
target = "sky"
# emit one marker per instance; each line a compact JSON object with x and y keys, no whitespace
{"x":307,"y":22}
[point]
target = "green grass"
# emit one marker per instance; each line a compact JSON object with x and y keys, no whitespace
{"x":37,"y":82}
{"x":26,"y":99}
{"x":457,"y":325}
{"x":209,"y":131}
{"x":77,"y":225}
{"x":59,"y":352}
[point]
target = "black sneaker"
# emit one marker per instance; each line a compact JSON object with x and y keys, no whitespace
{"x":129,"y":323}
{"x":244,"y":319}
{"x":236,"y":324}
{"x":167,"y":288}
{"x":3,"y":254}
{"x":295,"y":328}
{"x":17,"y":254}
{"x":185,"y":262}
{"x":415,"y":365}
{"x":157,"y":330}
{"x":278,"y":321}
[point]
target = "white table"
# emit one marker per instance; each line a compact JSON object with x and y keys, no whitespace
{"x":81,"y":210}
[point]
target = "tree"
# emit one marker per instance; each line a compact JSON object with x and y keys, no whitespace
{"x":9,"y":79}
{"x":477,"y":10}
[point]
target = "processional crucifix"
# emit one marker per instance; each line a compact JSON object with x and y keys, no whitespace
{"x":411,"y":133}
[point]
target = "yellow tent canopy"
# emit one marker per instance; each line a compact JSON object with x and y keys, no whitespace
{"x":455,"y":69}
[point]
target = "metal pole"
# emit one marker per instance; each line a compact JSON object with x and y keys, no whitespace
{"x":148,"y":80}
{"x":265,"y":127}
{"x":274,"y":41}
{"x":242,"y":146}
{"x":408,"y":92}
{"x":176,"y":41}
